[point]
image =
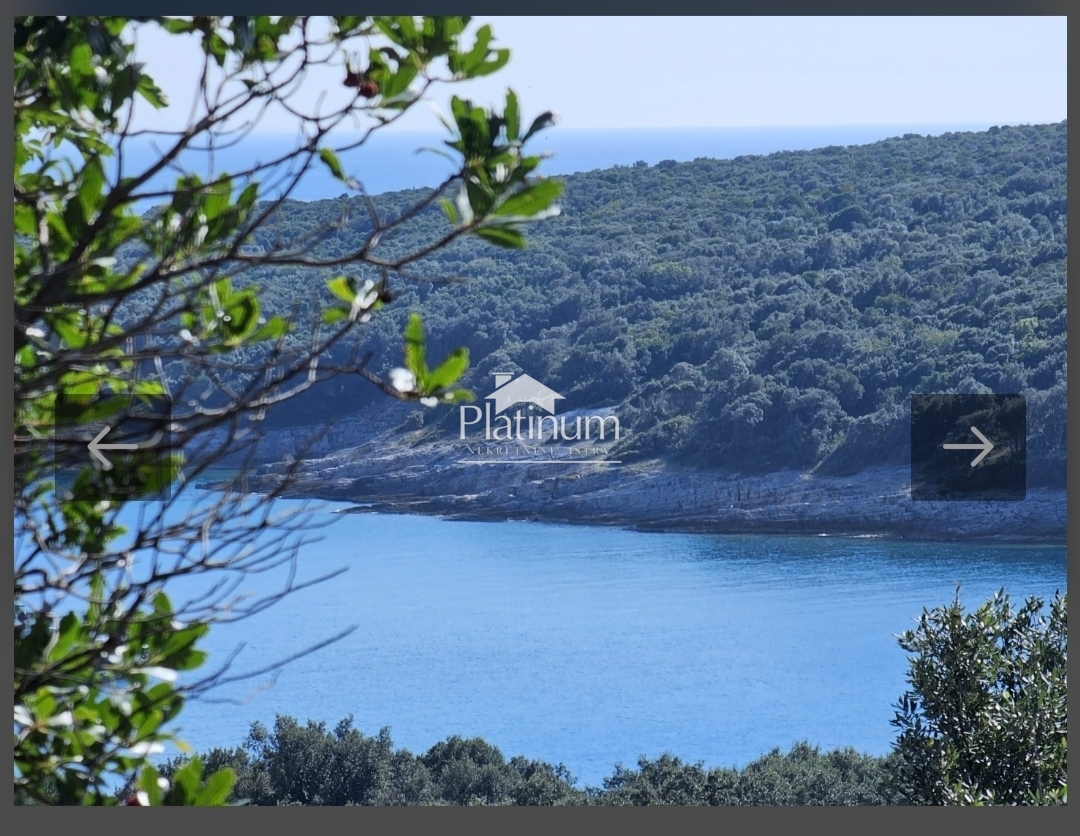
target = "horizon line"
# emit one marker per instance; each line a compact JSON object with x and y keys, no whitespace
{"x":831,"y":126}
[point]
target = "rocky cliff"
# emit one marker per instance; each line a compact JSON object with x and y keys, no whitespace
{"x":386,"y":466}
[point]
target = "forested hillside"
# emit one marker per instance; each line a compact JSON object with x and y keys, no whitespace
{"x":754,"y":313}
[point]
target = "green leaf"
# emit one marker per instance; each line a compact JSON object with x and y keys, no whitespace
{"x":450,"y":210}
{"x":544,"y":120}
{"x":332,"y":316}
{"x":185,"y":783}
{"x":272,"y":329}
{"x":449,"y":371}
{"x":458,"y":396}
{"x":74,"y":221}
{"x":149,"y":784}
{"x":151,"y":92}
{"x":91,"y":185}
{"x":530,"y":200}
{"x":71,"y":332}
{"x":218,"y":198}
{"x":333,"y":163}
{"x":343,"y":287}
{"x":25,"y":222}
{"x":474,"y":58}
{"x":399,"y":82}
{"x":80,"y":60}
{"x":502,"y":236}
{"x":247,"y":197}
{"x":177,"y":26}
{"x":66,"y":636}
{"x":512,"y":116}
{"x":415,"y":360}
{"x":241,"y":316}
{"x":502,"y":57}
{"x":217,"y":788}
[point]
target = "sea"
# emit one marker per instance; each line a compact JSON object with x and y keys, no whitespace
{"x":587,"y":645}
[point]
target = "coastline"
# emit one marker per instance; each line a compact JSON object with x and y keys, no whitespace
{"x":395,"y":471}
{"x":378,"y":467}
{"x":703,"y":527}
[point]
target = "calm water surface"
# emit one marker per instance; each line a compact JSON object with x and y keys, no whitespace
{"x":589,"y":646}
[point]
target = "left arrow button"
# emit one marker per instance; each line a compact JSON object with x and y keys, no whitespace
{"x":96,"y":446}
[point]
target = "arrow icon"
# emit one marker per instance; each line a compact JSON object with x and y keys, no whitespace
{"x":96,"y":446}
{"x":986,"y":446}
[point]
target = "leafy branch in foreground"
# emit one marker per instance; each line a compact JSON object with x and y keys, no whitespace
{"x":115,"y":300}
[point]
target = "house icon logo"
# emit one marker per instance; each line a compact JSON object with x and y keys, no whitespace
{"x":537,"y":426}
{"x":510,"y":390}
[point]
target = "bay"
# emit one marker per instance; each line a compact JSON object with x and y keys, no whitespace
{"x":593,"y":645}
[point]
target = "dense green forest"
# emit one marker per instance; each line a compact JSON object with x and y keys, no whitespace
{"x":298,"y":764}
{"x":754,"y":313}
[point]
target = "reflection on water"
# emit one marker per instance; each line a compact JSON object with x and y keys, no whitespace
{"x":593,"y":645}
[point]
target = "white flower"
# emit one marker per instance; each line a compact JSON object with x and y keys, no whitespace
{"x":37,"y":333}
{"x":64,"y":718}
{"x":146,"y":748}
{"x":96,"y":731}
{"x":164,"y":674}
{"x":187,"y":336}
{"x":402,"y":379}
{"x":361,"y":302}
{"x":464,"y":208}
{"x":163,"y":784}
{"x":123,"y":704}
{"x":429,"y":402}
{"x":22,"y":716}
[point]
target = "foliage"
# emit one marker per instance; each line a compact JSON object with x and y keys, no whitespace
{"x":804,"y":776}
{"x":313,"y":765}
{"x":986,"y":716}
{"x":112,"y":300}
{"x":96,"y":694}
{"x":734,"y":322}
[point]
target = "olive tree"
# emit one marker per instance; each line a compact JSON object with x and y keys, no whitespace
{"x":986,"y":718}
{"x":134,"y":284}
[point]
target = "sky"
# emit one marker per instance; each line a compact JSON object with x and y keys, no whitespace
{"x":713,"y":72}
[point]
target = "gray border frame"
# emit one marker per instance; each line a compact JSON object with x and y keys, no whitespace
{"x":855,"y":820}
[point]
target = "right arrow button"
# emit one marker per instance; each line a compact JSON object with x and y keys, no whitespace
{"x":986,"y":446}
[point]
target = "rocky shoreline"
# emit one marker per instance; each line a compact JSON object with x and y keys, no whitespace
{"x":409,"y":473}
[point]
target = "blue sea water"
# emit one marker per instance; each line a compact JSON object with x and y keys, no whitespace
{"x":390,"y":160}
{"x":591,"y":645}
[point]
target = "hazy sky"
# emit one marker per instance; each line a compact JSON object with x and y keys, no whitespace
{"x":604,"y":72}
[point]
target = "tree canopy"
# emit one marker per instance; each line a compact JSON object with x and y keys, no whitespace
{"x":766,"y":311}
{"x":108,"y":296}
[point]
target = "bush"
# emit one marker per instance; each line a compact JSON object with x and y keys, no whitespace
{"x":803,"y":776}
{"x":986,"y":719}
